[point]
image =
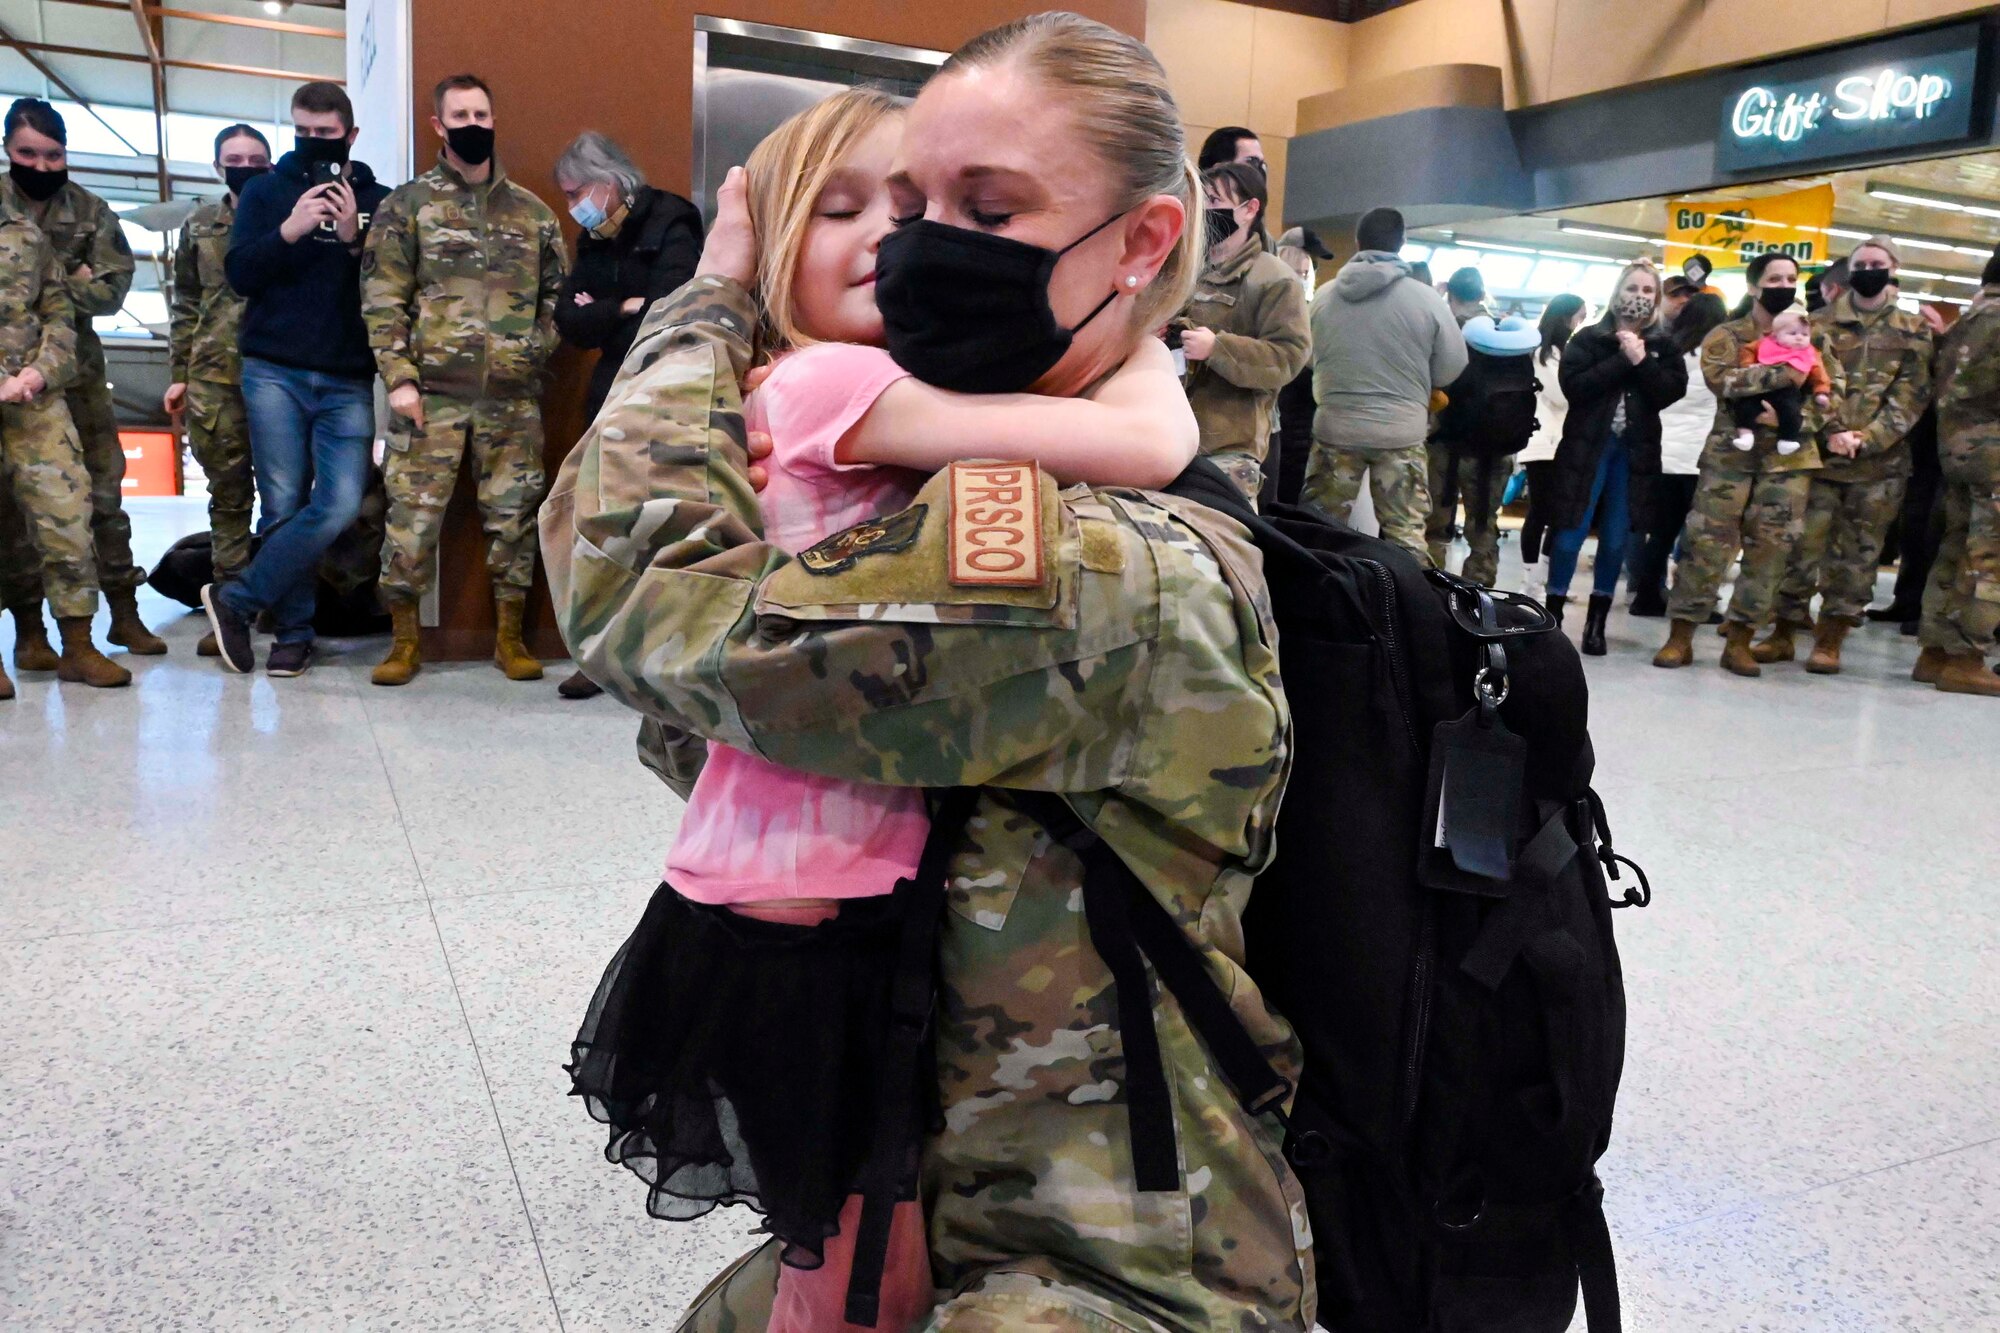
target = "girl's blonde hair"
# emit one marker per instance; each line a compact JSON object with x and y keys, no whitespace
{"x":787,"y":172}
{"x":1124,"y":108}
{"x":1659,"y":319}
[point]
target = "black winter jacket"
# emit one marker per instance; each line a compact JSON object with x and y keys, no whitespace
{"x":1595,"y":375}
{"x":652,"y":255}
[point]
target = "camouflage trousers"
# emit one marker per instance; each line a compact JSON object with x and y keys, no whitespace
{"x":504,"y":438}
{"x":1480,"y":485}
{"x":1840,"y":549}
{"x":1763,"y":515}
{"x":219,"y":435}
{"x":1962,"y":602}
{"x":1397,"y":482}
{"x":1244,"y":472}
{"x":1036,"y":1223}
{"x":45,"y":509}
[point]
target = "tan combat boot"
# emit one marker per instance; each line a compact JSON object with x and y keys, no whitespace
{"x":400,"y":666}
{"x":81,"y":662}
{"x":32,"y":651}
{"x":127,"y":630}
{"x":1680,"y":646}
{"x":1736,"y":656}
{"x":1966,"y":673}
{"x":509,"y":653}
{"x":1825,"y":659}
{"x":1777,"y":645}
{"x":1929,"y":662}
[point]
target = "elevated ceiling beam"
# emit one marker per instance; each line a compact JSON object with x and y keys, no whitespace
{"x":28,"y":49}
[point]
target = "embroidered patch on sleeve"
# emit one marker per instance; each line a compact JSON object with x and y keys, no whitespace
{"x":879,"y":536}
{"x":996,"y":525}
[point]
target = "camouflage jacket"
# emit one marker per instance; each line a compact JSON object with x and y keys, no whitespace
{"x":206,"y":312}
{"x":1884,"y":372}
{"x":1136,"y":676}
{"x":37,"y":322}
{"x":1968,"y":376}
{"x":83,"y":230}
{"x":1257,"y":307}
{"x":459,"y":286}
{"x":1721,"y":358}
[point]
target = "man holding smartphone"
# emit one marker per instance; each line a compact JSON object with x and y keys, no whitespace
{"x":308,"y":376}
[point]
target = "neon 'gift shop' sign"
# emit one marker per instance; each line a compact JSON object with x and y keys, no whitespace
{"x":1893,"y":95}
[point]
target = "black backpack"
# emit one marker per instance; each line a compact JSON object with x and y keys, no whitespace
{"x":1491,"y":412}
{"x":1436,"y":927}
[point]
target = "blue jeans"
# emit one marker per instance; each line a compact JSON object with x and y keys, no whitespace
{"x":311,"y":440}
{"x":1610,"y":497}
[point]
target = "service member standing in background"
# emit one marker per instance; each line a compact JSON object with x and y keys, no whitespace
{"x":1962,"y":603}
{"x":1884,"y":371}
{"x":42,"y":476}
{"x":1248,"y":334}
{"x":207,"y":370}
{"x":98,"y":264}
{"x":459,"y":289}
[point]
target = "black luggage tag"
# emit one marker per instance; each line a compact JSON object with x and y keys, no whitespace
{"x":1478,"y":772}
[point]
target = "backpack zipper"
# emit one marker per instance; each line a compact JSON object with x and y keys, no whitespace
{"x":1420,"y":969}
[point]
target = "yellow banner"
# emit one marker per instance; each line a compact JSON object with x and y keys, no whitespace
{"x":1732,"y":232}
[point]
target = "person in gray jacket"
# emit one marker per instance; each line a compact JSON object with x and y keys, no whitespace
{"x":1383,"y":344}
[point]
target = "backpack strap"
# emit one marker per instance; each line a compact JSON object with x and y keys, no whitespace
{"x":912,"y":996}
{"x":1596,"y":1266}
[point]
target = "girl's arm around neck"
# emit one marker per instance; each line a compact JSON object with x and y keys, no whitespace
{"x":1135,"y":430}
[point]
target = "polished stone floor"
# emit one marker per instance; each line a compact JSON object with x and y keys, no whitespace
{"x":288,"y":969}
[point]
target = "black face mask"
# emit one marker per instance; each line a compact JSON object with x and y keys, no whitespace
{"x":313,"y":150}
{"x":471,"y":144}
{"x":238,"y":177}
{"x":40,"y":186}
{"x":1220,"y":224}
{"x":969,"y":311}
{"x":1868,"y":283}
{"x":1777,"y":300}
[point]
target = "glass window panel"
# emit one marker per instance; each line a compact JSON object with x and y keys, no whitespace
{"x":1554,"y":275}
{"x":1505,"y":272}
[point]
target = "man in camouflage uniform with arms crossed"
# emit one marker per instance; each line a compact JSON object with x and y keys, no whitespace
{"x":1880,"y":358}
{"x":1962,"y":603}
{"x":91,"y":248}
{"x":459,"y":289}
{"x":207,"y":370}
{"x":42,"y":477}
{"x":1755,"y":500}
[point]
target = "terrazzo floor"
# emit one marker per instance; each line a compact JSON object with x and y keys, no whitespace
{"x":288,"y":970}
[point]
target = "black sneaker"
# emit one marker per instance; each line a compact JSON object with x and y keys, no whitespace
{"x":232,"y":632}
{"x":288,"y":659}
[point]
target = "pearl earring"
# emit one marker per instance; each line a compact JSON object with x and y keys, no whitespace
{"x":1131,"y":280}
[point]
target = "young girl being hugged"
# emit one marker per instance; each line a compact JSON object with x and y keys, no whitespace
{"x":735,"y":1042}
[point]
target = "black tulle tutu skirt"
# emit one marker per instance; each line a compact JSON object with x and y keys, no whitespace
{"x":737,"y":1061}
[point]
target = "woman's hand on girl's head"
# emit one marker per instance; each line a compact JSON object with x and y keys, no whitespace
{"x":731,"y":248}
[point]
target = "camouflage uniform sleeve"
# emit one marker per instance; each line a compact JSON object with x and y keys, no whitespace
{"x":1902,"y":401}
{"x":1721,"y":353}
{"x":1971,"y":382}
{"x":389,"y":289}
{"x":184,"y":312}
{"x":111,"y":269}
{"x":57,"y":357}
{"x":554,"y":274}
{"x":1278,"y":347}
{"x":665,"y":593}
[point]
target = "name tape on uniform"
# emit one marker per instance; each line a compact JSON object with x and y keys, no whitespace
{"x":996,"y":525}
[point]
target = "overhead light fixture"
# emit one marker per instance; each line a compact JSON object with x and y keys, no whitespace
{"x":1607,"y":233}
{"x":276,"y":7}
{"x":1925,"y":274}
{"x":1495,"y":245}
{"x":1963,"y":282}
{"x":1949,"y":203}
{"x":1919,"y":243}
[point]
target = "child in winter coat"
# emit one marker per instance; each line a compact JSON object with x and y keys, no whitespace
{"x":1789,"y":343}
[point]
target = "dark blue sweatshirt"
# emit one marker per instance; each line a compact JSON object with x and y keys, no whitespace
{"x":302,"y":302}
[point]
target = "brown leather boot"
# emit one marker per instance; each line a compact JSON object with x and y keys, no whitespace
{"x":127,"y":630}
{"x":405,"y":655}
{"x":205,"y":646}
{"x":509,"y":653}
{"x":6,"y":685}
{"x":1680,"y":646}
{"x":1966,"y":673}
{"x":81,"y":662}
{"x":1825,"y":659}
{"x":1736,"y":652}
{"x":1778,"y":645}
{"x":1929,"y":662}
{"x":32,"y":651}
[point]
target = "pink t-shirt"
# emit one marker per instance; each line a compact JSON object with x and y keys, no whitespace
{"x":755,"y":830}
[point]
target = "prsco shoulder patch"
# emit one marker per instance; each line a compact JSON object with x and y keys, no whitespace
{"x":996,"y":525}
{"x":879,"y":536}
